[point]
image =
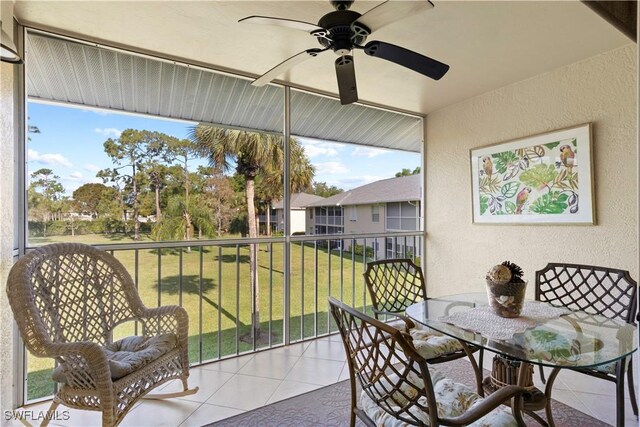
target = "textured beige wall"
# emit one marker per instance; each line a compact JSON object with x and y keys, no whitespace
{"x":601,"y":90}
{"x":363,"y":223}
{"x":7,"y":224}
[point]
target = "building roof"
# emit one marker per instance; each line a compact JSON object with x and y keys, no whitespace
{"x":299,"y":201}
{"x":402,"y":189}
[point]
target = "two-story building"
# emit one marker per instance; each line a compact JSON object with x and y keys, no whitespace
{"x":388,"y":205}
{"x":299,"y":203}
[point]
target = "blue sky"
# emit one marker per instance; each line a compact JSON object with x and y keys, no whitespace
{"x":71,"y":144}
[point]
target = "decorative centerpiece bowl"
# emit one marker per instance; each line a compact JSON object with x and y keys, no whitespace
{"x":506,"y":289}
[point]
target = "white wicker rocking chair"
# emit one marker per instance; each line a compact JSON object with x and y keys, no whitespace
{"x":66,"y":299}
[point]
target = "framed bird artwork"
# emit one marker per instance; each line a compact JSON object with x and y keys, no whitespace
{"x":539,"y":179}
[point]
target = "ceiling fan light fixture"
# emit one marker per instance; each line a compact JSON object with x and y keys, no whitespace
{"x":344,"y":30}
{"x":8,"y":50}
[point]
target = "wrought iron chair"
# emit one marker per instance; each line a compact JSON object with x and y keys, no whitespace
{"x":394,"y":284}
{"x":398,"y":386}
{"x":66,"y":299}
{"x":600,"y":291}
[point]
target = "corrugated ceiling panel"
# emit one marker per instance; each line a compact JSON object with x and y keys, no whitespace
{"x":324,"y":118}
{"x":65,"y":71}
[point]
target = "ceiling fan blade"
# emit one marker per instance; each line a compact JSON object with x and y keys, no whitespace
{"x":285,"y":65}
{"x":391,"y":11}
{"x":281,"y":22}
{"x":346,"y":74}
{"x":407,"y":58}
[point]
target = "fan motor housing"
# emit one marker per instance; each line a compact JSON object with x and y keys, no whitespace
{"x":342,"y":4}
{"x":340,"y":28}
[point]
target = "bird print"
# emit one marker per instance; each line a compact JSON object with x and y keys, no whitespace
{"x":567,"y":157}
{"x":521,"y":199}
{"x":487,"y":165}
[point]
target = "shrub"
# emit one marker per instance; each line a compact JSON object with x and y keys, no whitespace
{"x":359,"y":250}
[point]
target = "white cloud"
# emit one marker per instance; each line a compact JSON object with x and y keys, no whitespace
{"x":92,"y":168}
{"x":75,"y":180}
{"x":51,"y":159}
{"x":368,"y":152}
{"x":314,"y":148}
{"x":75,"y":176}
{"x":108,"y":132}
{"x":97,"y":111}
{"x":330,"y":168}
{"x":315,"y":151}
{"x":353,"y":182}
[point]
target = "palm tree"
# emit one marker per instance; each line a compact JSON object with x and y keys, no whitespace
{"x":300,"y":177}
{"x":181,"y":214}
{"x":252,"y":153}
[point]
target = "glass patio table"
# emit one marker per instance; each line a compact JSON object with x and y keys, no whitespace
{"x":543,"y":335}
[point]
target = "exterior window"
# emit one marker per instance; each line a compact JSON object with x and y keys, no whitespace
{"x":329,"y":220}
{"x":310,"y":213}
{"x":403,"y":216}
{"x":375,"y":213}
{"x":353,"y":213}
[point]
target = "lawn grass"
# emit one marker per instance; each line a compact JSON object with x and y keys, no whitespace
{"x":225,"y":306}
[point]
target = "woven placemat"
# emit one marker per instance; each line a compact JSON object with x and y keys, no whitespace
{"x":484,"y":321}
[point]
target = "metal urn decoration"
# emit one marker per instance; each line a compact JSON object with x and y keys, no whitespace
{"x":506,"y":289}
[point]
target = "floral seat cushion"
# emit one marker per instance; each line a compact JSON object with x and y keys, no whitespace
{"x":129,"y":354}
{"x":453,"y":399}
{"x":430,"y":344}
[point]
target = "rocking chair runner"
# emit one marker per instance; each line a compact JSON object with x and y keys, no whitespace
{"x":66,"y":299}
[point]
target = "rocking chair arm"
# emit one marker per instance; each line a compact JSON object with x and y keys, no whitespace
{"x":410,"y":324}
{"x":488,"y":404}
{"x":87,"y":349}
{"x":165,"y":319}
{"x":88,"y":355}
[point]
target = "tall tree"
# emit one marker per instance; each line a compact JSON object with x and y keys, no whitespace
{"x":407,"y":172}
{"x":87,"y":197}
{"x":118,"y":184}
{"x":31,"y":129}
{"x":249,"y":152}
{"x":157,"y":173}
{"x":182,"y":151}
{"x":181,"y":214}
{"x":110,"y":213}
{"x":301,"y":173}
{"x":219,"y":196}
{"x":134,"y":149}
{"x":323,"y":190}
{"x":51,"y":190}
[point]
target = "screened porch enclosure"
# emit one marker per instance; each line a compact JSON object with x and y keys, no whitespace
{"x":209,"y":275}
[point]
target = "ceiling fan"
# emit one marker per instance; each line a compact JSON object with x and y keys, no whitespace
{"x":344,"y":30}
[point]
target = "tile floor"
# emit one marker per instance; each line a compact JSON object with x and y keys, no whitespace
{"x":233,"y":386}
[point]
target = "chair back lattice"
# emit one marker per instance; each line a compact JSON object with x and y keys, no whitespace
{"x":394,"y":284}
{"x":387,"y":366}
{"x":70,"y":292}
{"x":595,"y":290}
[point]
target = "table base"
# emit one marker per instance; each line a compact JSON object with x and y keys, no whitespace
{"x":511,"y":372}
{"x":535,"y":401}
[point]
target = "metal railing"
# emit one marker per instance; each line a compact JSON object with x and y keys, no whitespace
{"x":211,"y":279}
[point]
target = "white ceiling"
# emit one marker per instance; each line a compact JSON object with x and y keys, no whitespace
{"x":487,"y":44}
